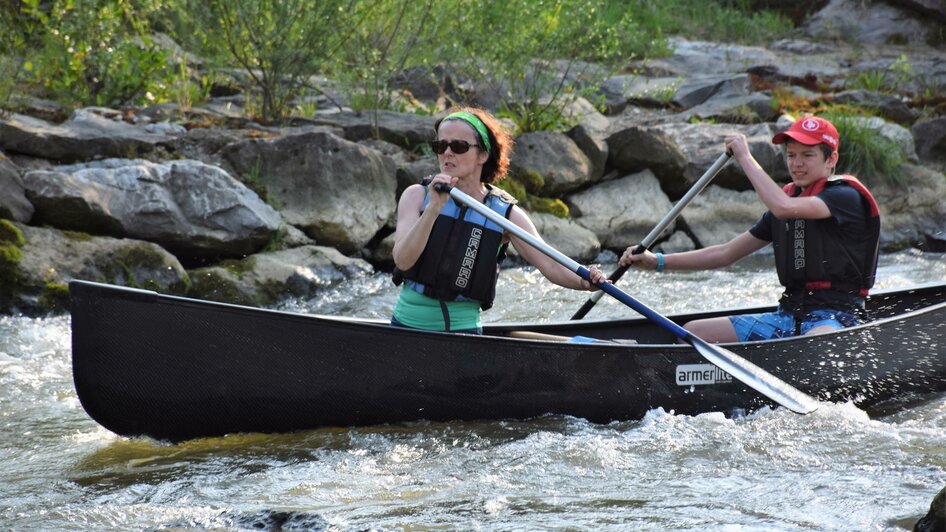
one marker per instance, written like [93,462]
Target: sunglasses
[457,146]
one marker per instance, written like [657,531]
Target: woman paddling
[825,231]
[447,255]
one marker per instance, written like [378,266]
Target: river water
[836,469]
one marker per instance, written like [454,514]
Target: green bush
[12,48]
[864,152]
[93,52]
[535,54]
[279,44]
[386,38]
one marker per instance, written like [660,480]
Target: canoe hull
[175,368]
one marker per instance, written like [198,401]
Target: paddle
[748,373]
[659,229]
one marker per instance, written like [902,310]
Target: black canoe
[175,368]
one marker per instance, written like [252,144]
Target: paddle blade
[755,377]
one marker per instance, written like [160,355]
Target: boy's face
[807,164]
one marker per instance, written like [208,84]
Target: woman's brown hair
[500,140]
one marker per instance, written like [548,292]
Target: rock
[635,149]
[567,236]
[595,148]
[406,130]
[85,136]
[13,202]
[694,58]
[935,518]
[930,139]
[678,242]
[415,172]
[751,109]
[556,157]
[267,278]
[698,89]
[339,192]
[202,143]
[934,9]
[621,212]
[894,132]
[703,143]
[718,215]
[52,257]
[587,116]
[912,210]
[888,106]
[620,90]
[874,23]
[423,83]
[196,211]
[383,253]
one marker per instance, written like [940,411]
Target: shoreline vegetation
[246,151]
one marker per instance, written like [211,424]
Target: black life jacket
[815,264]
[462,254]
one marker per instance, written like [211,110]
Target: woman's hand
[597,276]
[439,199]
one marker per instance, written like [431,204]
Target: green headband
[474,121]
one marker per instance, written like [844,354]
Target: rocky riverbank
[207,203]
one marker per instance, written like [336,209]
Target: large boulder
[703,143]
[699,89]
[406,130]
[874,23]
[196,211]
[718,215]
[337,191]
[86,135]
[267,278]
[556,157]
[694,58]
[751,109]
[636,148]
[930,139]
[623,211]
[13,202]
[51,258]
[594,146]
[888,105]
[913,209]
[565,235]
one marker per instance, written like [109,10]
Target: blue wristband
[660,262]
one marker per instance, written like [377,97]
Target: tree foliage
[278,44]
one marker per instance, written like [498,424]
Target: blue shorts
[781,324]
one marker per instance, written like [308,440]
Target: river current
[836,469]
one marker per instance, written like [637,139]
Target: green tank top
[418,311]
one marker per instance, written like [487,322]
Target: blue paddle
[746,372]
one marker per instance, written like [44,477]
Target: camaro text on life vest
[469,257]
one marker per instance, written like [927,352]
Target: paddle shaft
[651,237]
[740,368]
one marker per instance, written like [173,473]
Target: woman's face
[462,165]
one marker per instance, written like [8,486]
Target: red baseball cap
[810,130]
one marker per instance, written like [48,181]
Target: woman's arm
[413,228]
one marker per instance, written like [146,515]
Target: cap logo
[810,124]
